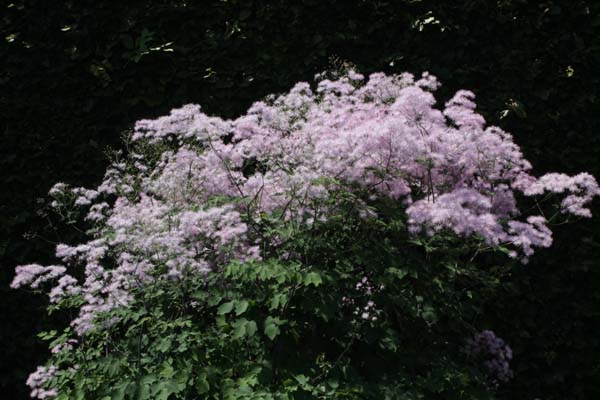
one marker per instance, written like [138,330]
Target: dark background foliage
[75,74]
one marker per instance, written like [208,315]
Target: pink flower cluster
[37,381]
[196,206]
[361,302]
[495,353]
[33,275]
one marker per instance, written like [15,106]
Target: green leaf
[302,379]
[167,371]
[49,335]
[271,328]
[119,390]
[313,278]
[278,300]
[225,308]
[164,389]
[239,329]
[251,328]
[398,273]
[241,307]
[202,385]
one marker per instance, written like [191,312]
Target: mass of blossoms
[194,199]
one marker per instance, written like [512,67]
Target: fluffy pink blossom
[38,380]
[34,275]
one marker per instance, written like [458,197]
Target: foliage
[76,73]
[275,331]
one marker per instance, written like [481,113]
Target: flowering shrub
[294,251]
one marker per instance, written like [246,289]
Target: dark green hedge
[75,74]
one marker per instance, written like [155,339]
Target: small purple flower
[496,355]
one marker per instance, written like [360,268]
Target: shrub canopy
[294,251]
